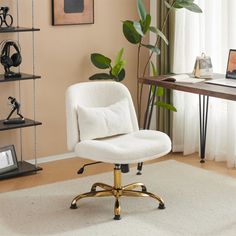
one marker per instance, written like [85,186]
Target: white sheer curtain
[214,33]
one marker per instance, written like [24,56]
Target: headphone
[8,60]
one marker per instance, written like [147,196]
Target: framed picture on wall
[72,12]
[8,160]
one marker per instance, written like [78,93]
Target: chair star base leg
[103,193]
[117,210]
[117,217]
[161,206]
[118,191]
[135,185]
[102,186]
[73,206]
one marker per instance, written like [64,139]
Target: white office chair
[95,110]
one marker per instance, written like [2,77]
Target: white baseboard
[53,158]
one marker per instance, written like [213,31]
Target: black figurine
[15,107]
[5,18]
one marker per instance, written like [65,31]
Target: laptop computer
[230,78]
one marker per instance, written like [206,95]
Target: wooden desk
[204,91]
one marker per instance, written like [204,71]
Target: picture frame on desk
[72,12]
[8,159]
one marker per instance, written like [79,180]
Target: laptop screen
[231,67]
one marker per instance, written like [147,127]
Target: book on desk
[183,78]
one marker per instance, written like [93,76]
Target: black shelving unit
[28,123]
[22,77]
[17,29]
[24,167]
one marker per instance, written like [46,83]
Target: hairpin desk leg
[147,118]
[203,115]
[139,168]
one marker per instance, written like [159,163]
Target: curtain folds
[214,33]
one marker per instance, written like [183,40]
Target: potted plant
[115,71]
[135,32]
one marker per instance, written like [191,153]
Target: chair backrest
[93,94]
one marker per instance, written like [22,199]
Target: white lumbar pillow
[100,122]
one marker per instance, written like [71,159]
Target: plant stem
[139,94]
[158,37]
[139,90]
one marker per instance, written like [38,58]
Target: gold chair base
[117,191]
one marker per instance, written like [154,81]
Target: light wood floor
[67,169]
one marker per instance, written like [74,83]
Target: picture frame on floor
[8,159]
[72,12]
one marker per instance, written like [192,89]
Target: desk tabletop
[201,88]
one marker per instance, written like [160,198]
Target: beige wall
[63,58]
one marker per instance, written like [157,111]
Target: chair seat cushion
[139,146]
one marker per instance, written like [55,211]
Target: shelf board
[17,29]
[24,168]
[28,123]
[23,77]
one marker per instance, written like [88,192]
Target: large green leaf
[194,8]
[121,75]
[130,32]
[141,10]
[188,4]
[184,1]
[146,24]
[101,76]
[177,5]
[152,48]
[166,106]
[138,27]
[158,32]
[100,61]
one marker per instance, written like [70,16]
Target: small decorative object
[15,107]
[203,67]
[72,12]
[5,18]
[8,159]
[8,60]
